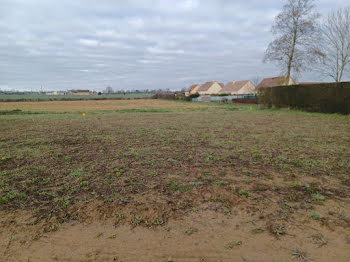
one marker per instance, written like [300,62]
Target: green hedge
[325,98]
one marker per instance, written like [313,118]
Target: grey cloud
[135,44]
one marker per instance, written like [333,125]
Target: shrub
[189,98]
[164,95]
[195,95]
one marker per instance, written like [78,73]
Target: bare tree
[334,47]
[256,80]
[295,30]
[108,90]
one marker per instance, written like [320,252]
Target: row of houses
[237,87]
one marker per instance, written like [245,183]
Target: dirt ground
[203,236]
[223,183]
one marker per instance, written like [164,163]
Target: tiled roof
[206,86]
[193,87]
[234,86]
[274,81]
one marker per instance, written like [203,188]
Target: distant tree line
[106,91]
[109,90]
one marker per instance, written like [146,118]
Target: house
[239,88]
[194,89]
[210,88]
[79,92]
[276,81]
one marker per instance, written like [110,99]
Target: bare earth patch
[101,241]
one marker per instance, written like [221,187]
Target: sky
[136,44]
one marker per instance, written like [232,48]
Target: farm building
[239,88]
[276,81]
[79,92]
[210,88]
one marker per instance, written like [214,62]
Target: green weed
[318,197]
[245,193]
[76,173]
[278,230]
[316,216]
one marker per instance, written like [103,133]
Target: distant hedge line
[69,99]
[325,98]
[164,95]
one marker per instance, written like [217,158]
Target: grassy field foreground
[240,181]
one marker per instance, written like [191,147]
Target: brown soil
[202,236]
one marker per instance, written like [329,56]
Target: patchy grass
[147,161]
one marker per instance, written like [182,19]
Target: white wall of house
[248,88]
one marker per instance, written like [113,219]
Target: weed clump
[299,254]
[244,193]
[318,197]
[77,172]
[191,230]
[277,230]
[233,244]
[118,172]
[316,216]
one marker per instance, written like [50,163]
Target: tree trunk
[291,57]
[337,75]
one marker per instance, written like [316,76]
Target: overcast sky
[136,44]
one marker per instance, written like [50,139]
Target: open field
[43,97]
[96,105]
[150,180]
